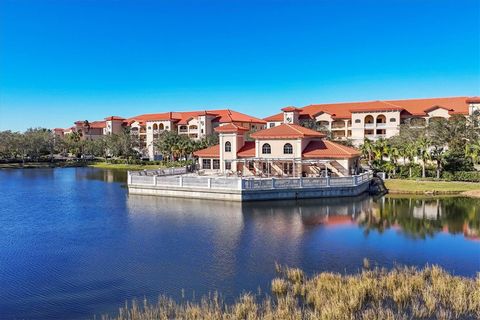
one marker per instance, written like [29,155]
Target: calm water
[73,243]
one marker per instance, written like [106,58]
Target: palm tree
[423,146]
[367,150]
[472,151]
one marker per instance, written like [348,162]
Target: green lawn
[105,165]
[418,186]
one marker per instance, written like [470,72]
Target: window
[160,127]
[266,149]
[393,120]
[287,148]
[271,125]
[251,166]
[155,126]
[358,121]
[228,165]
[228,146]
[216,164]
[206,164]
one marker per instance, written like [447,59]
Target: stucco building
[285,150]
[375,119]
[148,127]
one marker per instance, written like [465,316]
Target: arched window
[228,146]
[266,149]
[155,126]
[287,148]
[358,121]
[369,119]
[160,126]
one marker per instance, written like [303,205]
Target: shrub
[468,176]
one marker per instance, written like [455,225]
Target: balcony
[370,125]
[381,125]
[338,125]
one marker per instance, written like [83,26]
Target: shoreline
[432,188]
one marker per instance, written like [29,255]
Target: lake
[73,243]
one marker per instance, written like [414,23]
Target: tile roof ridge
[391,104]
[290,125]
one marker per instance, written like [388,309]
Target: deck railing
[149,178]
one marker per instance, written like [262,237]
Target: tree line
[448,145]
[40,144]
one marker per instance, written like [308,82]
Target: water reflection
[72,245]
[413,217]
[421,218]
[110,176]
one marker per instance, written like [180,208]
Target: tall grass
[400,293]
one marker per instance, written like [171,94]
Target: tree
[472,151]
[367,150]
[423,145]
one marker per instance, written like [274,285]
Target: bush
[468,176]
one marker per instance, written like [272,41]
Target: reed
[400,293]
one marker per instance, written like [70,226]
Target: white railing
[234,183]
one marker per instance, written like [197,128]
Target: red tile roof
[458,105]
[328,150]
[230,127]
[92,124]
[291,109]
[221,116]
[247,151]
[473,100]
[210,152]
[111,118]
[286,131]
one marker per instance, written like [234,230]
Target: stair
[338,169]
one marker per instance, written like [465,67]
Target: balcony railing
[178,180]
[338,125]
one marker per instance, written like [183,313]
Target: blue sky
[62,61]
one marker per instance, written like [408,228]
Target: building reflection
[421,217]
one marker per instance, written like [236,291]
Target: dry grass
[401,293]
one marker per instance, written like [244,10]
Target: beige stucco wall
[391,128]
[277,148]
[439,112]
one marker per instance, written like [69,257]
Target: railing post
[240,184]
[155,180]
[180,181]
[129,177]
[209,183]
